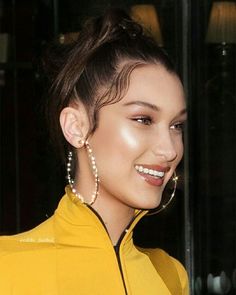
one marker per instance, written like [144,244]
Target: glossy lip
[155,167]
[153,180]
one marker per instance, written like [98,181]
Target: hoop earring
[94,170]
[162,207]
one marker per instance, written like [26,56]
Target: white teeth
[149,171]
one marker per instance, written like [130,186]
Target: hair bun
[117,24]
[131,28]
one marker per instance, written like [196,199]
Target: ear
[74,124]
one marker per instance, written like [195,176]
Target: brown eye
[144,120]
[178,126]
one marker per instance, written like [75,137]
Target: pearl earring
[94,170]
[81,143]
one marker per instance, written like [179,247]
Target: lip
[155,167]
[152,180]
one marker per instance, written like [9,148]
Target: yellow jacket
[72,254]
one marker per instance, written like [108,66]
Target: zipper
[116,248]
[117,252]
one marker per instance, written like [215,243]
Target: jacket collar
[76,224]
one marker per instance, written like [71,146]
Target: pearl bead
[95,172]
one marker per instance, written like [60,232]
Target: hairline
[109,97]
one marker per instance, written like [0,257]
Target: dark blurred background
[199,227]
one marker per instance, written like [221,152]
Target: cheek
[179,150]
[130,138]
[117,142]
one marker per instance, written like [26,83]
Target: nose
[164,147]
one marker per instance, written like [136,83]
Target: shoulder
[181,272]
[23,256]
[38,237]
[159,254]
[168,267]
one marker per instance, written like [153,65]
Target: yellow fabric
[167,267]
[71,253]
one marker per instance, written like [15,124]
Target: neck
[115,215]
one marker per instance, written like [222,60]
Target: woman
[118,107]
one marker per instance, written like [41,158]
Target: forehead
[156,85]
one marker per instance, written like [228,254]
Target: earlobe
[74,125]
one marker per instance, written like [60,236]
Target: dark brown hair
[96,68]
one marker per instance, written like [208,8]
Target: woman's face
[138,142]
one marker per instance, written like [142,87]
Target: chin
[148,204]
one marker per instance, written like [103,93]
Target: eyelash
[178,126]
[145,120]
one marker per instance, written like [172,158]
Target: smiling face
[138,142]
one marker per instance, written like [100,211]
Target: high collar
[77,224]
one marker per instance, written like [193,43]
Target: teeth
[140,168]
[149,171]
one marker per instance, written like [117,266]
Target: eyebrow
[182,112]
[143,104]
[151,106]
